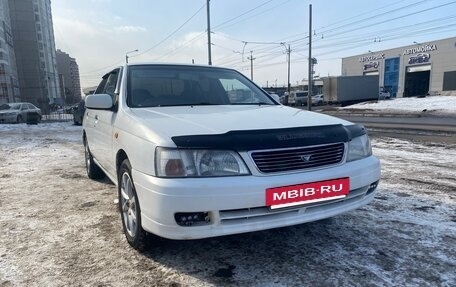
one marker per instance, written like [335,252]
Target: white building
[419,69]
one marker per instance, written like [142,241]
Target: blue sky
[98,33]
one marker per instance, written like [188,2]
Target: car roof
[166,64]
[170,65]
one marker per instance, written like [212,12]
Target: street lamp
[129,52]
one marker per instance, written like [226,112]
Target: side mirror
[98,102]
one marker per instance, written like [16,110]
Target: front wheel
[129,209]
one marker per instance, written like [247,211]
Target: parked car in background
[317,100]
[383,94]
[298,98]
[284,99]
[201,151]
[78,113]
[18,112]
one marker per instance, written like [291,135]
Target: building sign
[419,59]
[422,49]
[370,65]
[371,58]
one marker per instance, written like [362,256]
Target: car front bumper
[237,204]
[8,118]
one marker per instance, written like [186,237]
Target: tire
[93,170]
[129,208]
[19,119]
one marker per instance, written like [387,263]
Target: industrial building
[415,70]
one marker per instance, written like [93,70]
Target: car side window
[24,107]
[30,106]
[101,86]
[111,84]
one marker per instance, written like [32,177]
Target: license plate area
[301,194]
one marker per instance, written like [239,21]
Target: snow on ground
[437,104]
[60,228]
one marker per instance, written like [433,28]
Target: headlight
[359,148]
[198,163]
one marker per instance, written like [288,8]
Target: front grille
[298,158]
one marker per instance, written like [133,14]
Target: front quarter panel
[136,141]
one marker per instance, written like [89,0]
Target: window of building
[391,76]
[449,81]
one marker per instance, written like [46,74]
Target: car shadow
[307,253]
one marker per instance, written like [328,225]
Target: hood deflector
[271,138]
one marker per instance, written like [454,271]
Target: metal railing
[57,117]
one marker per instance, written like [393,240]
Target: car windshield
[10,107]
[159,86]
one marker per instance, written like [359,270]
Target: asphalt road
[410,127]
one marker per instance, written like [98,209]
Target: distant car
[78,114]
[298,98]
[419,58]
[275,97]
[317,100]
[284,99]
[17,112]
[384,94]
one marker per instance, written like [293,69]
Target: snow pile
[439,104]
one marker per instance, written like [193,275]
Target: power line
[171,34]
[242,14]
[396,18]
[254,15]
[154,46]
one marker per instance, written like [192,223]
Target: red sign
[285,196]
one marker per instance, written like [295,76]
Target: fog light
[192,218]
[372,187]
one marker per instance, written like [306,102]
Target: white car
[18,112]
[317,100]
[200,151]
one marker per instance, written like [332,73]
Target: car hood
[167,122]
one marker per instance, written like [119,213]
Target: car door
[24,112]
[90,123]
[104,125]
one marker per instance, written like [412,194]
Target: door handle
[96,117]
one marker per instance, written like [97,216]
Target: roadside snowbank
[438,104]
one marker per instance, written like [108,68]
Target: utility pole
[209,61]
[289,58]
[251,58]
[309,82]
